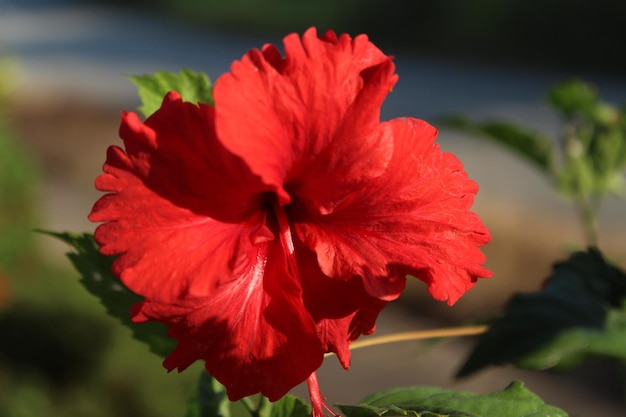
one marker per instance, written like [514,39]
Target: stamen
[286,238]
[318,402]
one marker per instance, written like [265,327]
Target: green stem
[252,408]
[587,211]
[263,403]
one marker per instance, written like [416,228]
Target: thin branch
[418,335]
[249,405]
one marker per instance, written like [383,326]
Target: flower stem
[589,219]
[255,407]
[419,335]
[250,406]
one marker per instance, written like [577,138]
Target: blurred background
[63,84]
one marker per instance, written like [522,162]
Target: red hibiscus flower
[273,227]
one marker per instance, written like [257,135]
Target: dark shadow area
[576,35]
[63,346]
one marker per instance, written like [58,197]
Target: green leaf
[193,87]
[605,154]
[287,406]
[514,401]
[96,277]
[578,313]
[534,147]
[573,97]
[570,347]
[208,399]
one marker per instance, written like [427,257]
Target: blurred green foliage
[61,355]
[593,142]
[17,183]
[586,162]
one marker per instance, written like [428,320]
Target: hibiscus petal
[342,310]
[177,154]
[414,219]
[161,212]
[299,103]
[349,160]
[254,333]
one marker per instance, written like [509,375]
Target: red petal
[299,106]
[167,193]
[342,310]
[413,219]
[254,333]
[177,154]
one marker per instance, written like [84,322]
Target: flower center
[286,238]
